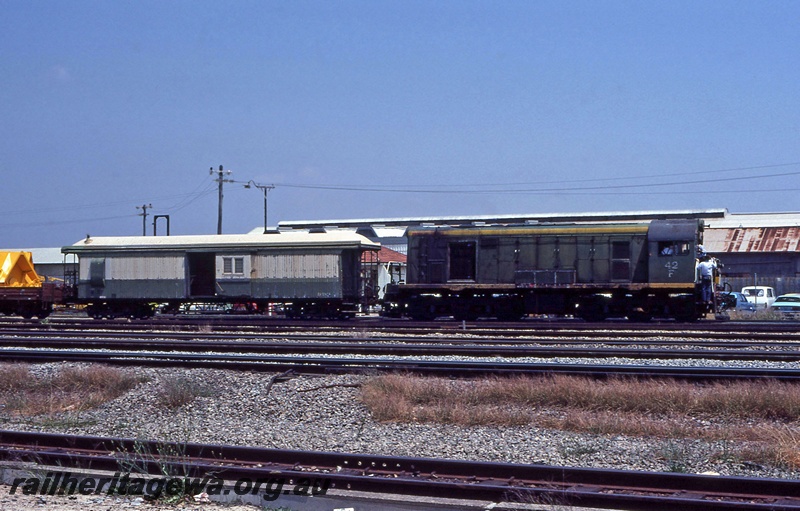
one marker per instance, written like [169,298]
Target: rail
[498,482]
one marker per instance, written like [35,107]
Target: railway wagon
[22,290]
[308,274]
[591,271]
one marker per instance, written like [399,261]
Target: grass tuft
[758,411]
[69,389]
[177,391]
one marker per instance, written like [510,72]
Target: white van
[762,296]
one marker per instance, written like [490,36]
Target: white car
[762,296]
[788,304]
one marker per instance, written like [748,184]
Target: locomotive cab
[672,246]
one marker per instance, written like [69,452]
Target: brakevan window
[462,260]
[233,265]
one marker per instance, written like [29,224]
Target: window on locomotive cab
[673,248]
[462,260]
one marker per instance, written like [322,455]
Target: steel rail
[262,323]
[459,336]
[499,482]
[322,365]
[399,349]
[92,336]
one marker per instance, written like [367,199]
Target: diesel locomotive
[593,271]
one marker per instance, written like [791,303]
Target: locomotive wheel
[683,309]
[463,312]
[510,312]
[423,315]
[640,316]
[592,309]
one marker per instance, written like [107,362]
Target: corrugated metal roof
[222,241]
[767,239]
[744,220]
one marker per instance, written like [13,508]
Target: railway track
[340,365]
[464,480]
[422,347]
[765,330]
[450,353]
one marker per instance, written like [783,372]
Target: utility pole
[144,208]
[220,179]
[265,189]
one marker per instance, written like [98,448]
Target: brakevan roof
[222,242]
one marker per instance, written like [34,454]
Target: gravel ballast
[325,414]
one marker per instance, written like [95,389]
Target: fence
[782,285]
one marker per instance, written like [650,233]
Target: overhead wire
[534,190]
[441,188]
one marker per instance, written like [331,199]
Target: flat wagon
[22,290]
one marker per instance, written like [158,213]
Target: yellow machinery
[16,270]
[22,291]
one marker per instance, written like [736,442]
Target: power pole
[265,189]
[144,208]
[220,179]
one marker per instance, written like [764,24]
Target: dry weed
[70,389]
[754,412]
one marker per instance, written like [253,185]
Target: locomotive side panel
[590,270]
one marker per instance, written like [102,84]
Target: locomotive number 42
[672,268]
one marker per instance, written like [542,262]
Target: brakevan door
[200,273]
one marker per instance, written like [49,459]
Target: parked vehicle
[734,301]
[762,296]
[788,304]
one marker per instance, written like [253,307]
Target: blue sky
[365,109]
